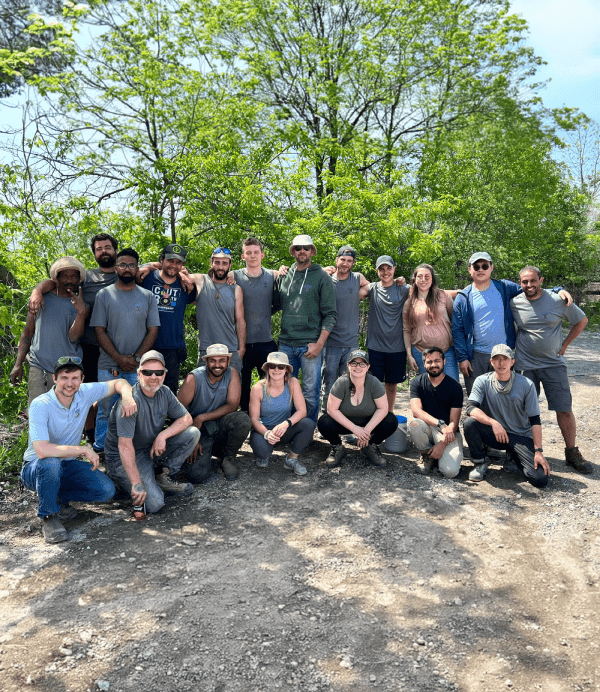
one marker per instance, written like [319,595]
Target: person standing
[540,353]
[307,317]
[126,321]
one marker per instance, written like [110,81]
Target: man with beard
[172,300]
[126,321]
[134,446]
[540,349]
[56,329]
[211,394]
[220,309]
[436,403]
[503,411]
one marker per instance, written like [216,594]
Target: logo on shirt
[166,297]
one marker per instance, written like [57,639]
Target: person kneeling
[135,445]
[271,402]
[357,404]
[504,412]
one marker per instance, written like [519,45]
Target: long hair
[346,373]
[264,382]
[432,300]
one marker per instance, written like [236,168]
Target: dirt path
[356,580]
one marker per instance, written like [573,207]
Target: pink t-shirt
[427,334]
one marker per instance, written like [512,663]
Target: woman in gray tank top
[278,414]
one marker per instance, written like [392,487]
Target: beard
[127,278]
[106,261]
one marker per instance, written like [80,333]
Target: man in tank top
[211,393]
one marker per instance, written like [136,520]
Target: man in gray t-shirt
[503,412]
[135,445]
[538,317]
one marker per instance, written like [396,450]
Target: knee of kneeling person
[539,480]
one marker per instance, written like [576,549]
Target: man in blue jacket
[482,317]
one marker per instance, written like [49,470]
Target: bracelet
[266,433]
[289,422]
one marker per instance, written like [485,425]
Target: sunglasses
[481,265]
[219,250]
[130,265]
[149,373]
[276,367]
[69,360]
[302,247]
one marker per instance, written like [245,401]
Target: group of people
[120,328]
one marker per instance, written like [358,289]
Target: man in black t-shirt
[436,403]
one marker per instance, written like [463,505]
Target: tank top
[274,410]
[215,315]
[258,300]
[208,396]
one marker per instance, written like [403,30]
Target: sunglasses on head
[481,265]
[276,367]
[69,360]
[149,373]
[219,250]
[302,247]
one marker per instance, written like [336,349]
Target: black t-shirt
[437,401]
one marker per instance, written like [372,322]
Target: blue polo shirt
[52,422]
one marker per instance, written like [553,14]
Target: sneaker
[171,486]
[373,454]
[295,466]
[575,459]
[67,512]
[230,470]
[426,464]
[53,530]
[478,473]
[262,463]
[336,454]
[350,439]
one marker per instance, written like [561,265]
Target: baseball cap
[174,251]
[384,259]
[67,362]
[358,353]
[152,355]
[480,255]
[502,350]
[347,251]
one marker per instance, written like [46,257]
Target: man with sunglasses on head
[482,318]
[136,445]
[308,315]
[126,321]
[220,309]
[56,466]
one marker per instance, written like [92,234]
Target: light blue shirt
[52,422]
[488,319]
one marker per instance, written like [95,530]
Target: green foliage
[13,447]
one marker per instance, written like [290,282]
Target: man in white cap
[134,446]
[307,317]
[211,393]
[56,329]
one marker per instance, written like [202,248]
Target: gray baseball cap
[384,259]
[480,255]
[502,350]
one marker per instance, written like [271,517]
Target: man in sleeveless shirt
[220,309]
[211,393]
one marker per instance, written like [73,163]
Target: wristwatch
[136,357]
[538,449]
[440,423]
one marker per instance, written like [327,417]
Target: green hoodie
[307,305]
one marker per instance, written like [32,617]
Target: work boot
[373,454]
[294,465]
[67,512]
[230,470]
[171,486]
[53,530]
[336,454]
[262,463]
[575,459]
[478,473]
[426,464]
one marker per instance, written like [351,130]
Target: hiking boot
[262,463]
[510,465]
[336,454]
[373,454]
[295,466]
[171,486]
[67,512]
[350,439]
[478,473]
[53,530]
[230,470]
[426,464]
[575,459]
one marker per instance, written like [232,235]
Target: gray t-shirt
[126,315]
[511,410]
[539,329]
[208,396]
[51,336]
[215,315]
[347,305]
[145,424]
[258,301]
[385,329]
[361,414]
[95,281]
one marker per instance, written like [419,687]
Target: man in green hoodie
[307,317]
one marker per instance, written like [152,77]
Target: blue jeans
[450,366]
[65,480]
[311,376]
[334,366]
[105,405]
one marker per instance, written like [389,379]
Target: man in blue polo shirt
[56,466]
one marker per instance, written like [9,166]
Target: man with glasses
[134,446]
[126,321]
[307,317]
[481,317]
[56,466]
[56,329]
[211,393]
[220,309]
